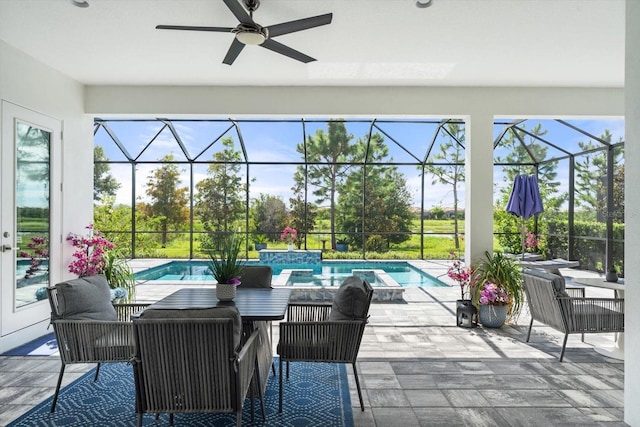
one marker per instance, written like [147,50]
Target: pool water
[325,274]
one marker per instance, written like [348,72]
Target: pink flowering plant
[38,252]
[289,235]
[493,294]
[531,242]
[459,273]
[90,254]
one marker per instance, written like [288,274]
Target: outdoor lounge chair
[88,327]
[192,361]
[550,303]
[327,332]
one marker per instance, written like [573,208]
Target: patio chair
[88,327]
[327,332]
[259,276]
[192,361]
[550,303]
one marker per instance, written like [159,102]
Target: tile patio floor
[419,369]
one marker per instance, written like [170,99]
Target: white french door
[29,193]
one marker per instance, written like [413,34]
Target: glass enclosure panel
[32,212]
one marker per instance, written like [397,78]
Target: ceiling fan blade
[190,28]
[240,12]
[233,52]
[298,25]
[286,50]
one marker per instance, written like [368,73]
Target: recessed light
[80,3]
[423,3]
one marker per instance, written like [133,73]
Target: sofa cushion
[200,313]
[85,298]
[351,300]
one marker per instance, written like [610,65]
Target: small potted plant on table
[225,268]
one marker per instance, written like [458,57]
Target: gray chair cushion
[200,313]
[351,301]
[85,298]
[558,282]
[256,276]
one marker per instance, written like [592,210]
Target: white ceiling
[369,42]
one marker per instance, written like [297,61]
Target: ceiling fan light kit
[248,32]
[250,35]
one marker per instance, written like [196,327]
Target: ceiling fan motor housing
[252,5]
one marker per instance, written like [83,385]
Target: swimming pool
[329,273]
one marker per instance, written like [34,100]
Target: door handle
[6,248]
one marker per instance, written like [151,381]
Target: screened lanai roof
[411,141]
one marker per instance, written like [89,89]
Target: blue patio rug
[43,346]
[317,394]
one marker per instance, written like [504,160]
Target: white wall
[35,86]
[632,215]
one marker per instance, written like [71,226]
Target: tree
[591,176]
[452,173]
[104,184]
[326,156]
[269,216]
[386,214]
[302,217]
[168,200]
[220,198]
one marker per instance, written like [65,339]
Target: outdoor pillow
[557,281]
[200,313]
[86,298]
[256,276]
[351,300]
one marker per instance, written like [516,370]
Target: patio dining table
[254,304]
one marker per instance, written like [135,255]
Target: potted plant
[494,303]
[612,274]
[225,267]
[342,245]
[261,241]
[502,272]
[466,313]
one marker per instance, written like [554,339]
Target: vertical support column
[479,186]
[632,214]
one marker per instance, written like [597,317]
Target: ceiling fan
[249,32]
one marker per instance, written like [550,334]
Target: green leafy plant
[119,274]
[505,273]
[224,264]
